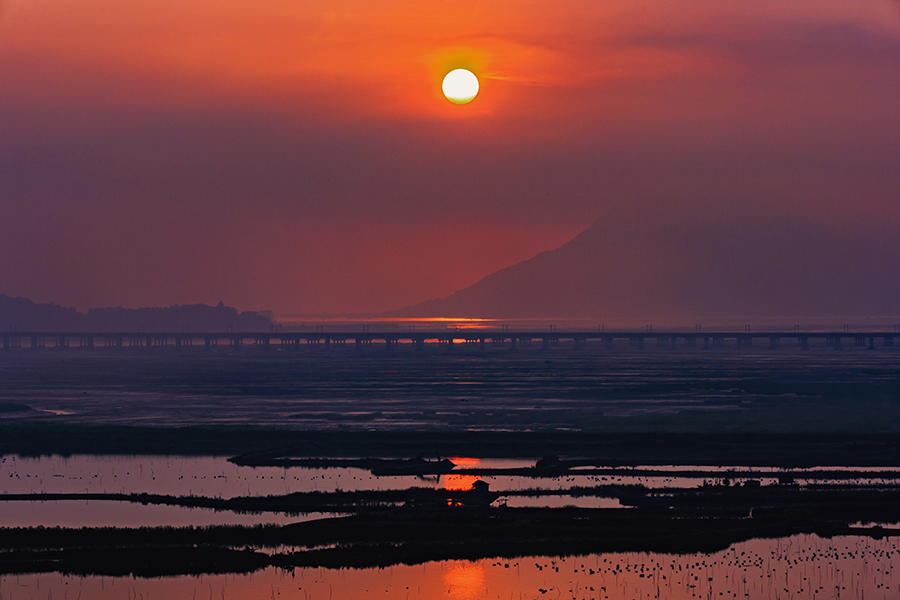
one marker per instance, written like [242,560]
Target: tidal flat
[661,461]
[757,390]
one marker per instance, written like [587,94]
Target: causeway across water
[446,337]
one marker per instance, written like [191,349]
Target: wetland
[597,476]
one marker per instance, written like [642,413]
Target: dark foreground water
[823,389]
[801,567]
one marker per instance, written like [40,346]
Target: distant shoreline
[614,448]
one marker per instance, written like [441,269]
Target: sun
[460,86]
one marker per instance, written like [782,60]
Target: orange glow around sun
[359,57]
[351,61]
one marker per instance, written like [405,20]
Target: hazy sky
[297,155]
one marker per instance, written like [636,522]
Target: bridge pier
[888,340]
[871,342]
[804,342]
[706,342]
[774,342]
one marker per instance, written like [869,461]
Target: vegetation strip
[614,449]
[409,535]
[424,527]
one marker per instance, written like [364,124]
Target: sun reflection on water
[464,580]
[461,482]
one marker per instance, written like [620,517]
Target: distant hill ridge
[21,314]
[665,264]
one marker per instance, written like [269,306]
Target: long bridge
[472,338]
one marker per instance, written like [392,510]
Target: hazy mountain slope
[668,265]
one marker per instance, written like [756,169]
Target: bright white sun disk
[460,86]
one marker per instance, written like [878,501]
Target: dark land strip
[610,449]
[553,467]
[424,527]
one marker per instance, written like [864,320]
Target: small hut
[481,487]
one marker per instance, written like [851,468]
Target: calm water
[107,513]
[798,568]
[214,476]
[457,389]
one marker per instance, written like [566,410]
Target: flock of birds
[802,567]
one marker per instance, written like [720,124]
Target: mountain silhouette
[663,264]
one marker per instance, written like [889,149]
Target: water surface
[529,389]
[802,567]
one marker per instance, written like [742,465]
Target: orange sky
[298,156]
